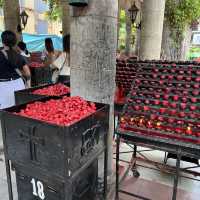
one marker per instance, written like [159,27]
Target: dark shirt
[8,66]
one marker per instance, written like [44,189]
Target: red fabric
[119,95]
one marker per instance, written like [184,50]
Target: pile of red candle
[63,112]
[53,90]
[125,74]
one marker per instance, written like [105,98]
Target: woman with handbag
[62,63]
[12,69]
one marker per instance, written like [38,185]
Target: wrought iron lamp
[24,19]
[133,12]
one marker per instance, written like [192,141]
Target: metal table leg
[117,169]
[9,179]
[105,168]
[7,163]
[176,177]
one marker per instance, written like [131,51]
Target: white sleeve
[59,61]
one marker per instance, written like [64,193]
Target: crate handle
[89,137]
[52,190]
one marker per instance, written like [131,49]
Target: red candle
[157,96]
[179,77]
[182,114]
[149,124]
[146,108]
[189,78]
[176,97]
[158,124]
[189,130]
[184,99]
[192,107]
[195,92]
[165,103]
[166,96]
[162,110]
[171,120]
[154,75]
[161,82]
[196,85]
[156,102]
[198,72]
[137,108]
[173,105]
[147,102]
[197,79]
[193,99]
[173,112]
[183,105]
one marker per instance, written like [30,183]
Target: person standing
[62,63]
[49,55]
[12,67]
[23,51]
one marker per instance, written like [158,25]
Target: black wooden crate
[83,186]
[40,75]
[26,96]
[53,148]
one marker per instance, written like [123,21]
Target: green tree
[179,16]
[59,11]
[126,32]
[55,11]
[1,3]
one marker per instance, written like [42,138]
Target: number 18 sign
[38,189]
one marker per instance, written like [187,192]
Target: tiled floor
[156,185]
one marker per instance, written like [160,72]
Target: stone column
[11,13]
[65,17]
[93,55]
[152,28]
[128,33]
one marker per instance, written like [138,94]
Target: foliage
[179,14]
[55,11]
[122,30]
[1,3]
[194,52]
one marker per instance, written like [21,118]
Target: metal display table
[162,113]
[171,146]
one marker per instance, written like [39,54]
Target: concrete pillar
[93,55]
[128,33]
[152,28]
[11,13]
[65,17]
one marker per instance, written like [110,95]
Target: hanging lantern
[133,11]
[24,18]
[78,3]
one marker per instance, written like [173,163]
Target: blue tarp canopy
[36,42]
